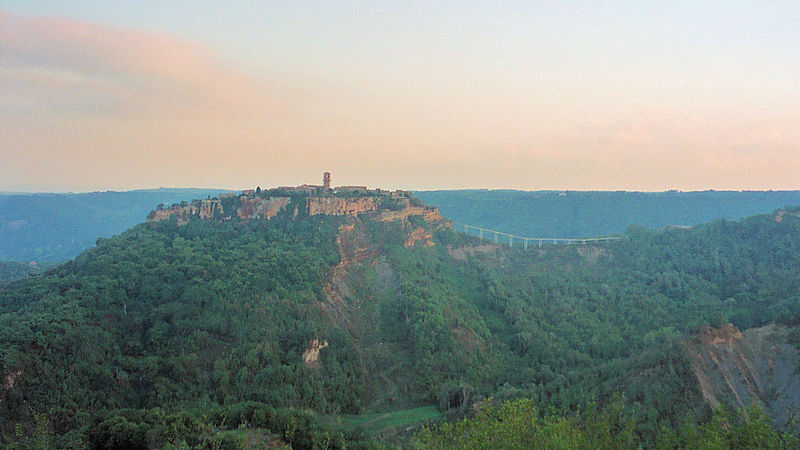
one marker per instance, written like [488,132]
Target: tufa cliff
[757,367]
[258,208]
[311,353]
[203,209]
[250,204]
[339,206]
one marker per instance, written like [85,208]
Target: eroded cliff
[757,367]
[341,206]
[390,206]
[203,209]
[260,208]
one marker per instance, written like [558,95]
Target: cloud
[60,65]
[88,106]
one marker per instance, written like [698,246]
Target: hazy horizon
[9,192]
[569,96]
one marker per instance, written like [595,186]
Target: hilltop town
[306,199]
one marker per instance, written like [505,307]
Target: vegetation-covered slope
[307,318]
[521,425]
[175,317]
[10,271]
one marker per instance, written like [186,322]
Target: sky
[98,95]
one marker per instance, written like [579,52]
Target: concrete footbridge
[524,242]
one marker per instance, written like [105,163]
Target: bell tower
[326,180]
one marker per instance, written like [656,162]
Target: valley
[399,225]
[371,320]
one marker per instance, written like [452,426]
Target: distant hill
[574,214]
[56,227]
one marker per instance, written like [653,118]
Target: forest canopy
[190,324]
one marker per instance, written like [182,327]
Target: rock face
[779,215]
[354,245]
[204,209]
[754,368]
[341,206]
[250,207]
[428,214]
[311,353]
[257,207]
[387,207]
[8,383]
[11,378]
[421,235]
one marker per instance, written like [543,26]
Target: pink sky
[87,106]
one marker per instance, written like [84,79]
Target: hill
[577,214]
[177,318]
[56,227]
[212,324]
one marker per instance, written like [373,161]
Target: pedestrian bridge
[524,242]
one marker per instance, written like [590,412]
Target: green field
[392,421]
